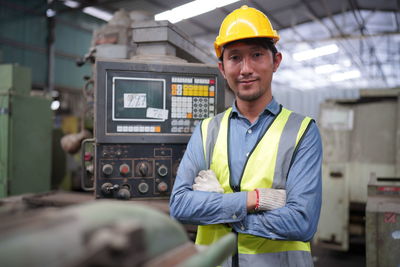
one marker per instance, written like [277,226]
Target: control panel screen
[134,99]
[137,102]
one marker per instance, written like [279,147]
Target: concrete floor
[324,257]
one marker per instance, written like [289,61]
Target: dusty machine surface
[146,109]
[100,233]
[383,222]
[361,139]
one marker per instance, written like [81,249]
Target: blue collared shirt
[298,220]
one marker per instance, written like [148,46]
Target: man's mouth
[247,81]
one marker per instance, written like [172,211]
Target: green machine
[25,134]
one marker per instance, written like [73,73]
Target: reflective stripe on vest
[267,166]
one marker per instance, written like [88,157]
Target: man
[258,165]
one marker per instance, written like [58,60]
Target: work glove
[270,199]
[207,181]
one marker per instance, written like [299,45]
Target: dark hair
[266,43]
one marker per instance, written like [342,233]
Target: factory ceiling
[362,36]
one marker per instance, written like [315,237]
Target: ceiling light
[338,77]
[98,13]
[71,4]
[328,68]
[316,52]
[191,9]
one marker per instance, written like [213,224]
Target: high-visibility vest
[267,166]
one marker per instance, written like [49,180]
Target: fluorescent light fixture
[71,4]
[191,9]
[328,68]
[346,63]
[338,77]
[98,13]
[316,52]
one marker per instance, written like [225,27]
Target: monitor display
[139,102]
[136,99]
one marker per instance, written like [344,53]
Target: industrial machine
[99,233]
[25,134]
[145,115]
[383,222]
[361,139]
[146,109]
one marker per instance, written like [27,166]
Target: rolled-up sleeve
[298,219]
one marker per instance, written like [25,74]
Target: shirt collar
[272,107]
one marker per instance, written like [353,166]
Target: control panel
[139,171]
[145,115]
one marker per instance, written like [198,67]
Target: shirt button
[242,228]
[234,216]
[249,131]
[247,154]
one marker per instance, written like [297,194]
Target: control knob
[162,187]
[143,168]
[124,193]
[143,188]
[124,169]
[162,170]
[107,169]
[108,188]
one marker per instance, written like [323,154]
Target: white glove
[207,181]
[270,199]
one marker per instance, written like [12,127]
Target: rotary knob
[143,169]
[124,193]
[162,170]
[143,188]
[108,188]
[107,169]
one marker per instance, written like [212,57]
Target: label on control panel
[157,113]
[135,101]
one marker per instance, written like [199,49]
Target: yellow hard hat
[242,23]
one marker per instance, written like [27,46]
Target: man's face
[248,70]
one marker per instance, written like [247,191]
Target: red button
[88,156]
[124,169]
[212,81]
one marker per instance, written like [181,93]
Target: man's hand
[207,181]
[270,199]
[263,199]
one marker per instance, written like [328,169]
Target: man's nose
[246,66]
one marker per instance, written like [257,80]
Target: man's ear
[221,68]
[277,60]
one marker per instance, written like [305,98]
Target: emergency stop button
[124,169]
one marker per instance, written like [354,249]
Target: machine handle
[84,176]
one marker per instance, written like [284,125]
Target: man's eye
[234,58]
[257,54]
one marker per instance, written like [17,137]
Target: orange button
[189,115]
[173,86]
[212,94]
[157,129]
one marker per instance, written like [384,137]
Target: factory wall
[307,102]
[23,40]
